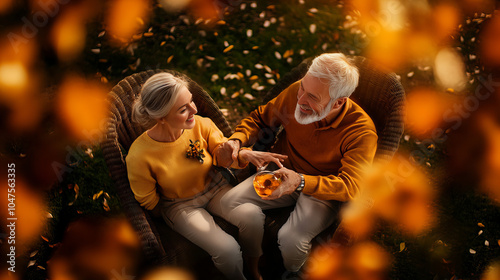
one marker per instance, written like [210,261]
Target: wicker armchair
[160,244]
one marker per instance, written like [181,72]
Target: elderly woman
[170,169]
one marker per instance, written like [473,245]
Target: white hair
[158,95]
[341,74]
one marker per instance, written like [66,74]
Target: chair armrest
[138,218]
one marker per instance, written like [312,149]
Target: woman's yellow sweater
[150,162]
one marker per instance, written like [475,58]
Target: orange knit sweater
[331,153]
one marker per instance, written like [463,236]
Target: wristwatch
[302,184]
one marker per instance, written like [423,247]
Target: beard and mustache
[315,116]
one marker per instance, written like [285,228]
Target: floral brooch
[194,151]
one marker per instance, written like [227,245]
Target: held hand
[290,180]
[227,153]
[260,159]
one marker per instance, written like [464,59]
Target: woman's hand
[260,159]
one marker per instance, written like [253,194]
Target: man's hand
[227,153]
[260,159]
[290,180]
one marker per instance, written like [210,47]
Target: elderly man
[328,139]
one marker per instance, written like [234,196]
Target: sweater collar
[329,122]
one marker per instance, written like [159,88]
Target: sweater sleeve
[269,116]
[358,154]
[213,135]
[142,182]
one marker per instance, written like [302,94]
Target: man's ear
[339,102]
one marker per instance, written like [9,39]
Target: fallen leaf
[236,94]
[105,205]
[228,49]
[312,28]
[481,225]
[402,246]
[31,263]
[33,253]
[472,251]
[248,96]
[170,58]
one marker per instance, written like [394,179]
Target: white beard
[314,117]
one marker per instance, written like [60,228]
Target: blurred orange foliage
[5,6]
[30,211]
[126,18]
[168,273]
[81,105]
[425,110]
[363,261]
[94,248]
[68,35]
[397,192]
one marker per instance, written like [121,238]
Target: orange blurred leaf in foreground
[126,18]
[445,19]
[366,260]
[324,263]
[30,212]
[81,106]
[401,195]
[207,9]
[18,86]
[5,6]
[388,49]
[492,272]
[490,43]
[95,248]
[424,111]
[490,175]
[68,35]
[168,273]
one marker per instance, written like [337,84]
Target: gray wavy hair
[341,74]
[158,95]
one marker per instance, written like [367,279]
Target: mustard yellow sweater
[330,153]
[150,162]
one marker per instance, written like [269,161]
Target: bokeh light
[490,171]
[95,248]
[425,111]
[168,273]
[174,5]
[30,211]
[364,261]
[492,272]
[82,107]
[490,43]
[126,18]
[450,70]
[68,35]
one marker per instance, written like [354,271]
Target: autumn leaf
[76,188]
[228,48]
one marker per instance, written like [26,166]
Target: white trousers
[243,208]
[192,218]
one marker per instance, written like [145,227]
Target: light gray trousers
[192,218]
[243,208]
